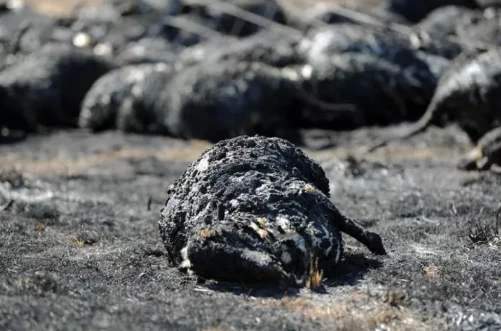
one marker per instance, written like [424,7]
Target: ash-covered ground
[81,249]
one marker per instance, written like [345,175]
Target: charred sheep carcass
[255,209]
[382,74]
[125,99]
[378,93]
[217,100]
[46,87]
[468,94]
[212,100]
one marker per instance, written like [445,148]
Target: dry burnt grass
[80,247]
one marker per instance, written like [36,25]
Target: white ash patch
[203,165]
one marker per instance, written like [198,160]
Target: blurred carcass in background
[218,69]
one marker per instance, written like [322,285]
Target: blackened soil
[80,246]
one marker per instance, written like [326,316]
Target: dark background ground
[81,250]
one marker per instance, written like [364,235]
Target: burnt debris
[255,209]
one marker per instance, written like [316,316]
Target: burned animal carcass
[468,94]
[384,75]
[255,209]
[126,99]
[216,100]
[379,92]
[210,100]
[46,87]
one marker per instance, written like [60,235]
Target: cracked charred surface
[255,209]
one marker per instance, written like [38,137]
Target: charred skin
[255,209]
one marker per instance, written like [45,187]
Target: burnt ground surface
[80,246]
